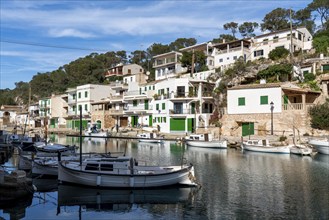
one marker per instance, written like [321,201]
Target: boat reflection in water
[120,199]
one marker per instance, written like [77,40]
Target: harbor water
[233,185]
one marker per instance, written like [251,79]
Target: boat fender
[99,179]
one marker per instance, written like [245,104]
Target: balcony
[296,106]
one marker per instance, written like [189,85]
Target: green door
[190,125]
[150,120]
[134,121]
[248,129]
[177,124]
[99,124]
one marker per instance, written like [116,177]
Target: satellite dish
[147,72]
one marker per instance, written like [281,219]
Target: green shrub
[320,116]
[278,53]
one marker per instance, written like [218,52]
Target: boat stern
[190,179]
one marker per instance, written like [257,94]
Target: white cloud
[69,32]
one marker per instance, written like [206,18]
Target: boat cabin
[147,135]
[120,165]
[200,137]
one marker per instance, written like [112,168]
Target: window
[227,58]
[258,53]
[134,102]
[74,108]
[157,106]
[106,167]
[86,94]
[264,100]
[265,41]
[235,57]
[153,87]
[221,60]
[131,79]
[140,91]
[92,166]
[145,89]
[79,95]
[275,39]
[241,101]
[86,107]
[164,119]
[74,96]
[129,71]
[163,106]
[299,36]
[80,107]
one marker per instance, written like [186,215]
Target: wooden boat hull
[322,146]
[207,144]
[264,149]
[71,173]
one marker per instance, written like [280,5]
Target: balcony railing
[296,106]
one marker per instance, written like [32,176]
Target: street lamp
[272,107]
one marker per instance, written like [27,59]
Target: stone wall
[283,123]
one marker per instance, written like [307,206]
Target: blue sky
[39,36]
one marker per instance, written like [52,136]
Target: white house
[82,97]
[267,108]
[168,65]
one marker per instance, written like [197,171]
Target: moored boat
[300,149]
[149,138]
[93,131]
[205,141]
[321,145]
[264,146]
[123,172]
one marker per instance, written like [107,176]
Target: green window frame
[145,88]
[264,100]
[163,106]
[79,95]
[157,106]
[241,101]
[86,107]
[74,96]
[153,87]
[164,119]
[134,102]
[86,94]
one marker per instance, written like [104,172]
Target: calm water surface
[234,185]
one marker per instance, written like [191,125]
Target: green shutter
[241,101]
[157,106]
[163,106]
[264,100]
[146,104]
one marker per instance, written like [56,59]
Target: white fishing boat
[205,141]
[149,138]
[300,149]
[264,146]
[93,131]
[123,172]
[321,145]
[48,165]
[43,150]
